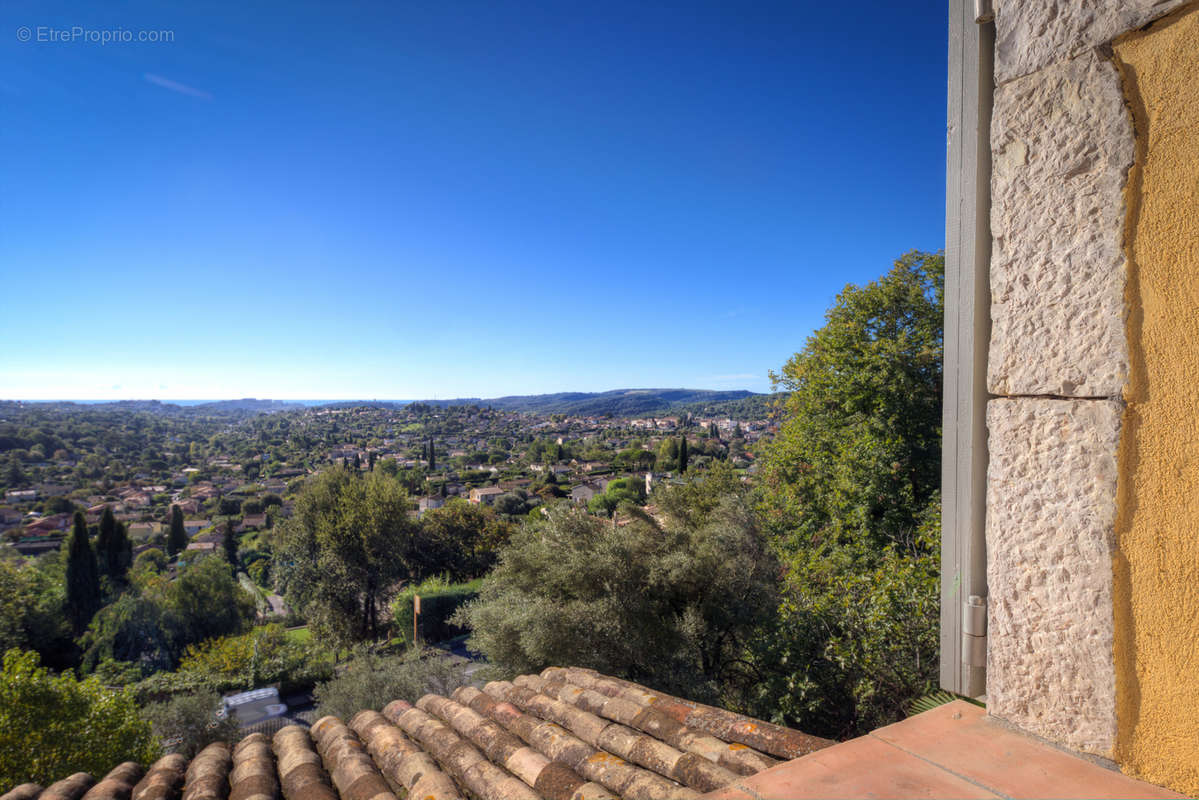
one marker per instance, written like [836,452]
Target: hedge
[438,602]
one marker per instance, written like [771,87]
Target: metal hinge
[983,11]
[974,631]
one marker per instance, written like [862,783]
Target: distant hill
[738,404]
[248,406]
[618,402]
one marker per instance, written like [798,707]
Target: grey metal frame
[967,335]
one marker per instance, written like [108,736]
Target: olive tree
[669,601]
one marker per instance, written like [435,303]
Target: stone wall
[1062,143]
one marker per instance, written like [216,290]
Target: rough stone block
[1062,143]
[1032,35]
[1051,510]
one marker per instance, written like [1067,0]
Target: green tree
[209,602]
[119,556]
[668,453]
[154,624]
[177,537]
[114,551]
[230,544]
[432,456]
[14,476]
[52,726]
[152,560]
[104,537]
[850,494]
[682,454]
[83,576]
[670,604]
[32,600]
[344,550]
[460,540]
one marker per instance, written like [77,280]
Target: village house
[252,522]
[584,492]
[141,531]
[188,505]
[427,503]
[486,495]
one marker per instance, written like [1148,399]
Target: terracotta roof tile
[567,734]
[118,783]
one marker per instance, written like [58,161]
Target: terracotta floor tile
[862,767]
[952,751]
[961,737]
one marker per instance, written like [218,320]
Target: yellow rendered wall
[1156,587]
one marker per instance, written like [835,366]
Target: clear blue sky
[418,199]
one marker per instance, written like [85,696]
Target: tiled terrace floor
[954,751]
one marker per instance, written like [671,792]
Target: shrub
[439,599]
[187,723]
[371,681]
[153,559]
[668,603]
[265,655]
[52,726]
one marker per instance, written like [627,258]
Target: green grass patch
[299,635]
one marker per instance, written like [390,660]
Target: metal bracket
[983,11]
[974,631]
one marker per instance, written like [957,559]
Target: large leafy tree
[668,601]
[858,453]
[851,496]
[32,599]
[51,726]
[154,624]
[83,576]
[459,540]
[345,551]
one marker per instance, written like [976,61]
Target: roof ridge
[776,740]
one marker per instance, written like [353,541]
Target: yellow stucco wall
[1156,588]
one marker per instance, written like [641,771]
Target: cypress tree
[370,461]
[177,537]
[432,457]
[83,576]
[357,463]
[104,541]
[230,544]
[120,552]
[682,454]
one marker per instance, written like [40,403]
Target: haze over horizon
[322,400]
[459,199]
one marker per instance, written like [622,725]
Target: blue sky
[439,199]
